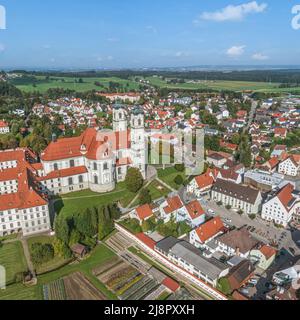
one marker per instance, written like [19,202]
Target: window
[105,166]
[72,163]
[55,166]
[95,166]
[80,179]
[70,181]
[96,180]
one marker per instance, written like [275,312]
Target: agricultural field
[42,84]
[73,287]
[13,259]
[223,85]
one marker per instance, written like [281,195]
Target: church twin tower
[138,144]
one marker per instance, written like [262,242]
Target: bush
[252,216]
[178,180]
[240,212]
[134,180]
[179,167]
[219,203]
[42,253]
[145,197]
[228,207]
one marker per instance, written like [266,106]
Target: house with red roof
[280,206]
[174,209]
[202,184]
[207,232]
[263,257]
[290,166]
[4,127]
[280,133]
[142,213]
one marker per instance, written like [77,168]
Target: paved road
[251,115]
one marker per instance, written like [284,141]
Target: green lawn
[88,84]
[86,199]
[50,265]
[168,175]
[20,292]
[13,259]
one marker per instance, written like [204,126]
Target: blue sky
[147,33]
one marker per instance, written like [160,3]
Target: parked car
[253,281]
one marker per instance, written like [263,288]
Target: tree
[134,180]
[145,197]
[180,167]
[41,253]
[179,180]
[148,225]
[85,222]
[61,249]
[62,229]
[224,286]
[75,237]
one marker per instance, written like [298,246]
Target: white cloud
[235,51]
[181,54]
[260,56]
[234,13]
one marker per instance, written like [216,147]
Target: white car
[210,211]
[227,220]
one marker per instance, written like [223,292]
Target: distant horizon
[209,68]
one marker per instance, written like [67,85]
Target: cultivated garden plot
[74,287]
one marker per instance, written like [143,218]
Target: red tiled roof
[210,229]
[9,174]
[171,284]
[64,173]
[268,251]
[194,209]
[144,212]
[285,195]
[146,240]
[95,143]
[3,124]
[280,131]
[174,204]
[207,179]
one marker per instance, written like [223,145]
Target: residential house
[207,232]
[237,242]
[4,127]
[240,274]
[263,257]
[280,206]
[290,166]
[201,185]
[142,213]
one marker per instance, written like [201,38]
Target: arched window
[140,122]
[120,116]
[72,163]
[55,166]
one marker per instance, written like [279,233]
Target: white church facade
[95,160]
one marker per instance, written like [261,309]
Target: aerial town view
[149,151]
